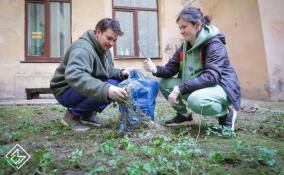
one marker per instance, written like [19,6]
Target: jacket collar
[94,41]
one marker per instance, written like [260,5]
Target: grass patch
[256,147]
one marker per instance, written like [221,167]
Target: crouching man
[86,80]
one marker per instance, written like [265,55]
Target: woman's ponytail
[206,20]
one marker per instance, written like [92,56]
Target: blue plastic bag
[144,91]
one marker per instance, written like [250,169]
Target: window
[139,22]
[48,29]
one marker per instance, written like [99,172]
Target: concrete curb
[22,102]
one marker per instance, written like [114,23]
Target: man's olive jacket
[85,67]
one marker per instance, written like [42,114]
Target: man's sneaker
[74,121]
[93,120]
[221,120]
[229,120]
[180,120]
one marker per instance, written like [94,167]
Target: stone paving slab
[274,106]
[23,102]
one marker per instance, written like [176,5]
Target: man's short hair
[106,23]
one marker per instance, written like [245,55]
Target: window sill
[41,60]
[132,58]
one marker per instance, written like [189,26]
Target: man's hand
[127,71]
[116,93]
[173,96]
[149,66]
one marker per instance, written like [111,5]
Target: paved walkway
[247,104]
[272,106]
[22,102]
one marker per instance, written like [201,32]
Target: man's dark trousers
[80,105]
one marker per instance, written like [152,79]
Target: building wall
[11,44]
[240,21]
[169,36]
[85,15]
[272,23]
[252,33]
[16,76]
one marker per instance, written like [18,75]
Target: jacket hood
[221,36]
[90,36]
[205,34]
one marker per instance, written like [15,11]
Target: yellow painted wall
[16,76]
[170,35]
[253,36]
[240,21]
[272,23]
[11,44]
[85,15]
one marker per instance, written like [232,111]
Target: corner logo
[17,156]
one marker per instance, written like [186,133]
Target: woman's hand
[173,96]
[149,66]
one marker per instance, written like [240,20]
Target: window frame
[46,57]
[135,10]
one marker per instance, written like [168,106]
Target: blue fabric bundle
[144,91]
